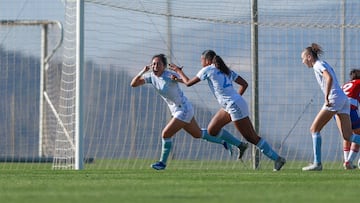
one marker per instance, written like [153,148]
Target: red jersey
[352,90]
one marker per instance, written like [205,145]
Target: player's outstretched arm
[138,79]
[188,82]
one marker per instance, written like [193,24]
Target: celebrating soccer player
[233,106]
[181,109]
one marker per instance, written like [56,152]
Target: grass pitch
[25,184]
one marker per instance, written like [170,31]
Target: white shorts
[183,112]
[238,109]
[340,105]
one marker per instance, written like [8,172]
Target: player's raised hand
[146,68]
[174,67]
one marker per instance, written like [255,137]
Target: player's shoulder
[322,65]
[355,82]
[209,67]
[206,69]
[318,66]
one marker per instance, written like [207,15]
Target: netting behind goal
[122,125]
[30,54]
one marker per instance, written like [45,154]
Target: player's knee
[213,132]
[196,134]
[313,129]
[253,139]
[166,134]
[347,137]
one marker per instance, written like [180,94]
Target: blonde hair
[314,50]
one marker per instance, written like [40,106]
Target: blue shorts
[355,120]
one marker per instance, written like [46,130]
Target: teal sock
[166,148]
[228,137]
[316,138]
[267,150]
[205,135]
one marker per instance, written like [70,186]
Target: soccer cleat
[279,163]
[348,166]
[313,167]
[242,148]
[228,147]
[158,165]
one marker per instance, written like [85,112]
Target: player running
[233,106]
[181,109]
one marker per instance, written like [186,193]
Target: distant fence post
[255,77]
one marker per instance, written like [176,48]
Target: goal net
[30,68]
[122,125]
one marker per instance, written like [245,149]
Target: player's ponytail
[314,50]
[210,55]
[220,64]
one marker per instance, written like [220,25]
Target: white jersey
[170,91]
[220,84]
[336,90]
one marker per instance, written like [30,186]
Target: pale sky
[31,9]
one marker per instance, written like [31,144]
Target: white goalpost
[59,112]
[69,136]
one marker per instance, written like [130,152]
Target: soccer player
[336,103]
[180,108]
[233,106]
[352,90]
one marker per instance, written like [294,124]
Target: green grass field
[26,183]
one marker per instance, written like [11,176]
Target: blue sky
[30,9]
